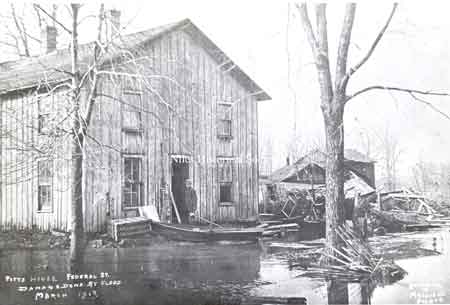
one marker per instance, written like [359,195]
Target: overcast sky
[265,38]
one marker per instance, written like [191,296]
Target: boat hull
[196,234]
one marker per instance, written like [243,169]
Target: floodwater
[187,273]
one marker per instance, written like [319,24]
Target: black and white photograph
[239,152]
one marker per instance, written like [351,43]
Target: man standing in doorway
[190,203]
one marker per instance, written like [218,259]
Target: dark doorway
[180,172]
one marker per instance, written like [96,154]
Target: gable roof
[316,157]
[354,155]
[49,68]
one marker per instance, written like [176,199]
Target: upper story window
[132,110]
[224,120]
[45,103]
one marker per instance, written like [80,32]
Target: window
[44,106]
[132,185]
[225,192]
[225,175]
[224,117]
[132,111]
[45,179]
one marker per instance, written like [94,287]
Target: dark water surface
[185,273]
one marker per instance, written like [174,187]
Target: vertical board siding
[179,115]
[19,175]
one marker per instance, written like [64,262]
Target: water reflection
[337,292]
[157,275]
[204,274]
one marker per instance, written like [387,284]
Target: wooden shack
[308,174]
[171,106]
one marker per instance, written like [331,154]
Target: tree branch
[412,92]
[390,88]
[374,45]
[344,44]
[93,94]
[322,59]
[319,48]
[20,30]
[322,32]
[429,105]
[53,19]
[308,27]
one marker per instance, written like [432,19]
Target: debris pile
[403,210]
[354,261]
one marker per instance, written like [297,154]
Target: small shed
[308,174]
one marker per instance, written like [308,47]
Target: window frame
[125,105]
[230,194]
[139,183]
[44,127]
[223,121]
[46,182]
[227,181]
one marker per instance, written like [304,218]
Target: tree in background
[21,27]
[390,152]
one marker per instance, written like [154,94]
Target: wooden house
[171,106]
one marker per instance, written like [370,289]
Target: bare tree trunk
[337,291]
[76,241]
[335,214]
[332,102]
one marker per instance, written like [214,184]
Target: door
[180,172]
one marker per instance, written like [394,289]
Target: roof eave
[225,62]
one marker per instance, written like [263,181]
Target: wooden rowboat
[183,232]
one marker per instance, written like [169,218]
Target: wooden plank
[257,152]
[247,153]
[234,150]
[174,205]
[255,180]
[242,170]
[207,130]
[21,183]
[196,125]
[186,144]
[255,300]
[2,129]
[153,136]
[3,163]
[213,141]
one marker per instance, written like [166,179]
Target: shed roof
[353,184]
[49,68]
[317,157]
[354,155]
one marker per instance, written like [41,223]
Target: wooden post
[174,206]
[356,199]
[379,200]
